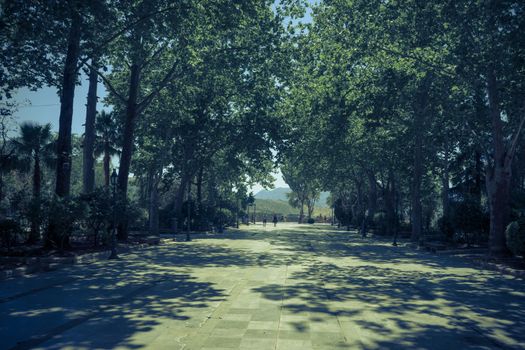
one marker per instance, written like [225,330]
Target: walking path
[290,287]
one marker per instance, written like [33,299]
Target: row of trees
[412,111]
[193,87]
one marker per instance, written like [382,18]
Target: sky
[43,106]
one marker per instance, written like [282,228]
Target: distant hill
[279,194]
[270,207]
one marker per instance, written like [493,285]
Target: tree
[36,145]
[106,141]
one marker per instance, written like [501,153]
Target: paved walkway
[293,287]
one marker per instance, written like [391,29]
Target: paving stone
[291,287]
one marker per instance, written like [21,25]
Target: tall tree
[36,145]
[107,137]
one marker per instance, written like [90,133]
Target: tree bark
[417,179]
[69,79]
[154,205]
[127,144]
[179,199]
[301,212]
[445,188]
[390,204]
[34,235]
[498,175]
[63,150]
[372,196]
[106,161]
[88,165]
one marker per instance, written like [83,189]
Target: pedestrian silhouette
[275,220]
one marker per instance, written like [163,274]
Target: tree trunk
[445,188]
[1,190]
[199,187]
[390,204]
[107,162]
[498,175]
[88,165]
[179,199]
[310,205]
[417,179]
[69,79]
[301,212]
[154,205]
[127,144]
[372,196]
[478,177]
[200,221]
[34,235]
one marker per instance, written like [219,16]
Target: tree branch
[107,82]
[514,144]
[118,33]
[155,54]
[147,100]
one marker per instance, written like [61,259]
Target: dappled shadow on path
[387,297]
[381,296]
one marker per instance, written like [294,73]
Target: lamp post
[254,212]
[113,180]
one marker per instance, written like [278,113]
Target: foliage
[380,222]
[63,215]
[446,226]
[9,229]
[468,217]
[343,211]
[98,213]
[515,233]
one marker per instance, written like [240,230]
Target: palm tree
[35,145]
[107,138]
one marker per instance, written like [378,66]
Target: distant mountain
[279,194]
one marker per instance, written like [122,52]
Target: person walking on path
[275,220]
[264,221]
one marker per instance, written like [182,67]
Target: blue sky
[43,105]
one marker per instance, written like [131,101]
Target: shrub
[446,226]
[515,233]
[380,222]
[343,212]
[224,217]
[9,228]
[98,213]
[311,221]
[470,221]
[62,214]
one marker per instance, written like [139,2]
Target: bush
[311,221]
[380,222]
[98,214]
[446,226]
[224,217]
[9,228]
[343,212]
[62,215]
[470,221]
[136,216]
[515,233]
